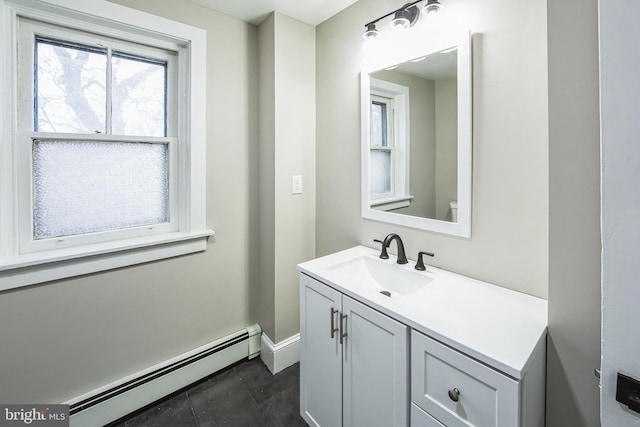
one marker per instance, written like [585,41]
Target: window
[98,117]
[93,88]
[99,163]
[389,146]
[382,148]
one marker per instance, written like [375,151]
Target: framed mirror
[416,136]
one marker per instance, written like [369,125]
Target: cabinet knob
[454,394]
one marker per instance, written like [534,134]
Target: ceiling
[437,66]
[312,12]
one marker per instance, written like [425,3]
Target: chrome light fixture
[400,20]
[432,6]
[406,17]
[403,18]
[371,32]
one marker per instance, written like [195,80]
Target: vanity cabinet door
[419,418]
[374,368]
[459,391]
[320,354]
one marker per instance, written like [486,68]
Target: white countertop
[494,325]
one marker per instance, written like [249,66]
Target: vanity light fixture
[371,32]
[432,6]
[400,20]
[403,18]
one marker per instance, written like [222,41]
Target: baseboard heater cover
[115,400]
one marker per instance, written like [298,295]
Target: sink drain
[386,293]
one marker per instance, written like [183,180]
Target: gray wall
[509,244]
[65,338]
[263,295]
[287,148]
[446,146]
[574,215]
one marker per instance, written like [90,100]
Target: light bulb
[371,32]
[433,6]
[400,20]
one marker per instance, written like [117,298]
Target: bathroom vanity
[383,344]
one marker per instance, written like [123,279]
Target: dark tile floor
[245,394]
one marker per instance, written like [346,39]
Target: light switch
[296,184]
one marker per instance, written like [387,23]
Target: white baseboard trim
[119,398]
[282,355]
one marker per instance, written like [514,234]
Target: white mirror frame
[462,42]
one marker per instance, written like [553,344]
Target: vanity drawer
[485,397]
[419,418]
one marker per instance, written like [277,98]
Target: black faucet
[402,257]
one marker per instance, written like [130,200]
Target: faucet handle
[420,264]
[383,254]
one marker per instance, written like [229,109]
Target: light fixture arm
[404,7]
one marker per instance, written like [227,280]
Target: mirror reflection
[413,144]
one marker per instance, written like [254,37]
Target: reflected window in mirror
[416,109]
[382,147]
[428,87]
[389,146]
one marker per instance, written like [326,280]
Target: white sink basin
[382,275]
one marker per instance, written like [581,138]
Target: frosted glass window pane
[378,124]
[380,172]
[85,187]
[139,97]
[70,85]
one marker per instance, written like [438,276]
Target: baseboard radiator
[113,401]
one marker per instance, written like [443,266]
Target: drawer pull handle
[334,329]
[454,394]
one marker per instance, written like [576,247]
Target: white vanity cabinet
[353,361]
[450,351]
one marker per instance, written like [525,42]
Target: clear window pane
[85,187]
[139,96]
[380,172]
[70,88]
[378,124]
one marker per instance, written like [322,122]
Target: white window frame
[24,261]
[400,138]
[390,147]
[26,136]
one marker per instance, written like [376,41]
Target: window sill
[40,267]
[391,203]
